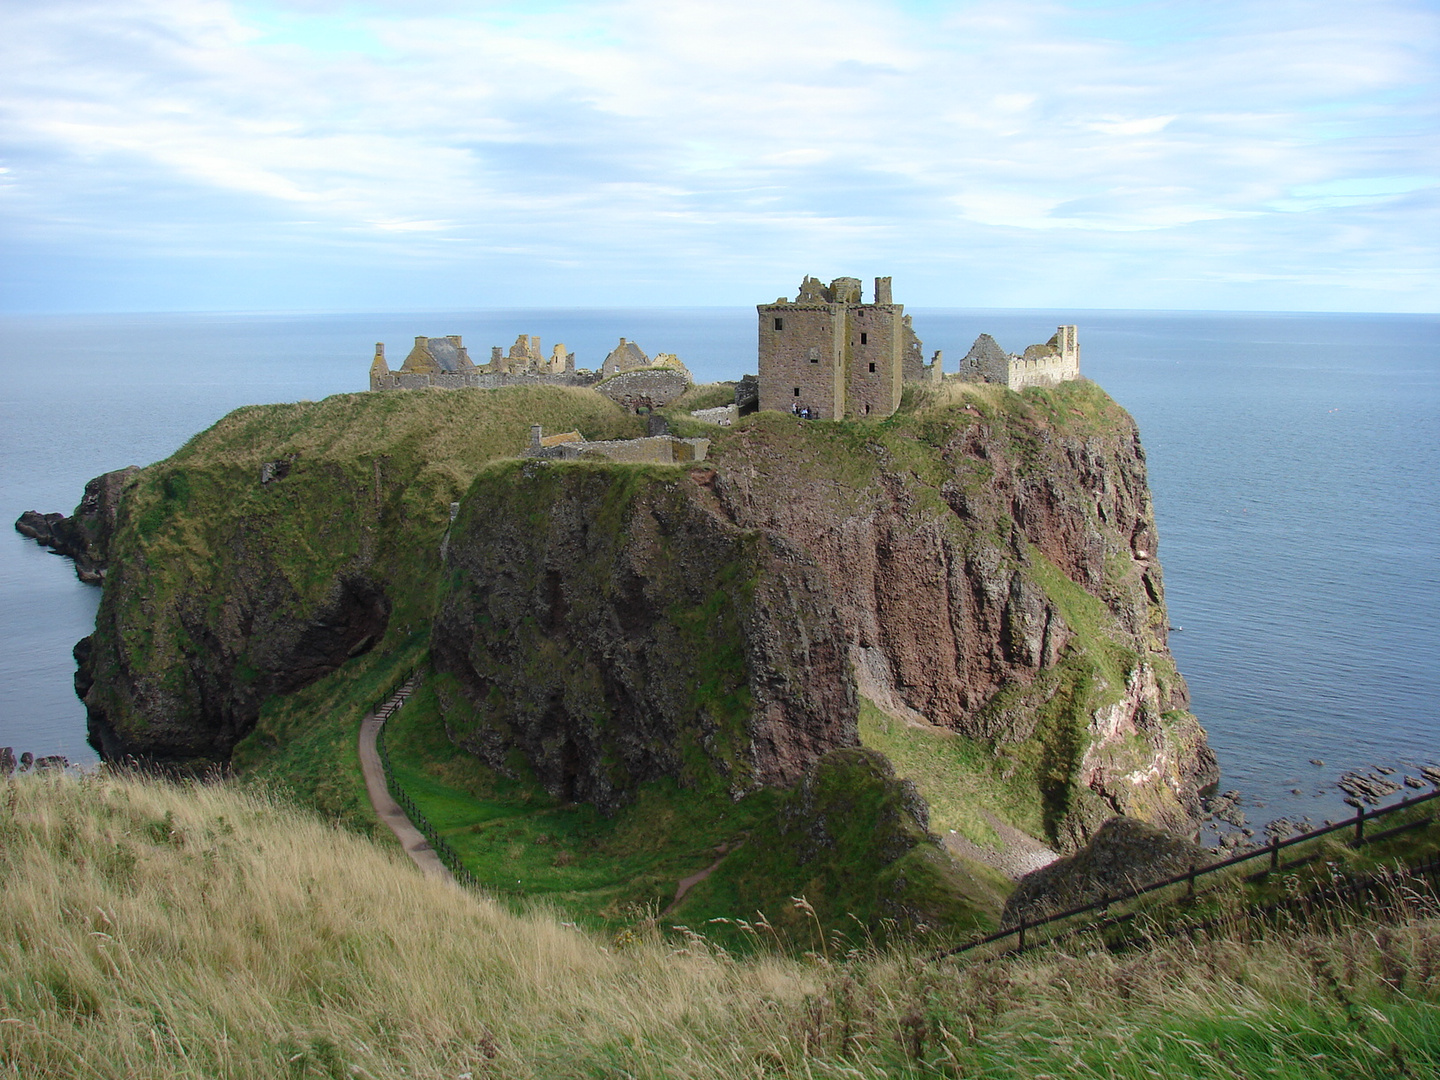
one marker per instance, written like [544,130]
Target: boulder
[1122,856]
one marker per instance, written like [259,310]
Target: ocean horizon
[1294,461]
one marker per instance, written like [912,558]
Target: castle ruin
[1057,361]
[830,355]
[445,363]
[628,376]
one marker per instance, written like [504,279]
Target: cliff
[282,542]
[993,560]
[981,567]
[85,535]
[611,628]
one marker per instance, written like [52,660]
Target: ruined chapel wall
[1044,371]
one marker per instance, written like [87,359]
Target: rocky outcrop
[994,567]
[607,625]
[282,542]
[235,653]
[1123,856]
[84,536]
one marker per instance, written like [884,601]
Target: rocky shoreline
[26,762]
[1233,832]
[84,536]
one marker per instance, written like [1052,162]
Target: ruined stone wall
[657,450]
[456,380]
[915,368]
[722,415]
[875,345]
[646,389]
[985,362]
[802,349]
[1041,371]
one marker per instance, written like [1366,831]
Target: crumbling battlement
[830,353]
[1057,361]
[445,363]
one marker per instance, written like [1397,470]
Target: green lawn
[519,841]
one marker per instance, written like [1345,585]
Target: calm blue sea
[1294,459]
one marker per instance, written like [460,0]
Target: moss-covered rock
[283,541]
[851,845]
[604,624]
[1123,855]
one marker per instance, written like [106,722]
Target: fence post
[1360,825]
[1022,934]
[1275,852]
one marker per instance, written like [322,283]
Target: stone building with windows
[833,356]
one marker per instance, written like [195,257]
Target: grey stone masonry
[1056,361]
[652,450]
[445,363]
[647,388]
[832,355]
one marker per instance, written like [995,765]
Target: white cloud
[1145,126]
[642,134]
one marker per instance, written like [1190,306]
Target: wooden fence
[1024,932]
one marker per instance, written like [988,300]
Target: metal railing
[1270,851]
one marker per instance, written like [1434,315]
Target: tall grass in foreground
[160,931]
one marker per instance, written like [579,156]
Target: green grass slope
[167,932]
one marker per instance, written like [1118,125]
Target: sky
[324,155]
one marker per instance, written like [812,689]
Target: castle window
[872,368]
[797,391]
[863,339]
[779,324]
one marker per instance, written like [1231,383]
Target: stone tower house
[829,352]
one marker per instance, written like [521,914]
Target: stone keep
[829,352]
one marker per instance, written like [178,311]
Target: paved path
[388,810]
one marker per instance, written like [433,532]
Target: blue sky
[162,155]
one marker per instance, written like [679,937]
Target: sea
[1294,461]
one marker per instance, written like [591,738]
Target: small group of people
[805,413]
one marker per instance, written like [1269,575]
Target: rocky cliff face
[281,543]
[983,564]
[993,559]
[85,535]
[610,627]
